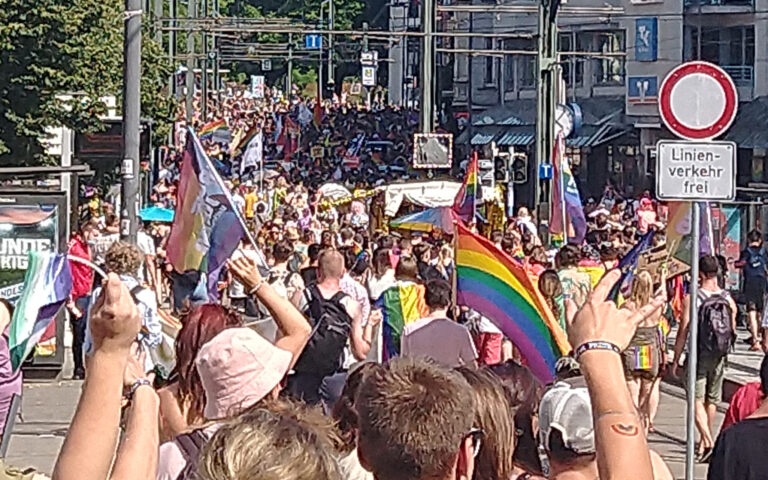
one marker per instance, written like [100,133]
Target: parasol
[156,214]
[439,218]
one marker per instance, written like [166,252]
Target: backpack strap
[191,444]
[134,293]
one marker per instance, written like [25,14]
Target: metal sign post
[697,102]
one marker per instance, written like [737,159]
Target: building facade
[613,63]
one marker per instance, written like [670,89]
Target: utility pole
[330,45]
[289,75]
[129,198]
[157,15]
[320,60]
[204,73]
[172,48]
[190,77]
[427,67]
[545,101]
[216,61]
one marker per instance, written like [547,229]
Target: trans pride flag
[207,226]
[466,200]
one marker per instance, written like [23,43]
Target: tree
[59,59]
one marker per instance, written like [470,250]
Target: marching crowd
[285,377]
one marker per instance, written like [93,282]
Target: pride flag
[317,116]
[207,130]
[47,285]
[566,197]
[466,199]
[497,287]
[207,227]
[400,304]
[242,144]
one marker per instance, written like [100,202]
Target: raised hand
[114,321]
[600,320]
[245,271]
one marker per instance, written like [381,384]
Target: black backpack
[331,325]
[755,262]
[191,445]
[715,332]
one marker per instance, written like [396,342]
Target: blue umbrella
[156,214]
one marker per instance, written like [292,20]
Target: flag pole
[87,263]
[477,186]
[561,159]
[454,277]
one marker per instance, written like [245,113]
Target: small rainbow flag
[243,143]
[401,304]
[207,130]
[643,357]
[466,199]
[496,286]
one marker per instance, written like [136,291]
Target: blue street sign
[545,171]
[313,41]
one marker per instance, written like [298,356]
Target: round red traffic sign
[698,101]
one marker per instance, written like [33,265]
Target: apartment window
[572,65]
[607,69]
[520,68]
[733,48]
[490,77]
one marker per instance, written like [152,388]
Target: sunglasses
[477,435]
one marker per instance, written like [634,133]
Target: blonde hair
[123,258]
[271,443]
[642,289]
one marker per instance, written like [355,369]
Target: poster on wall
[726,224]
[646,39]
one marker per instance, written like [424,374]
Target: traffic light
[485,172]
[501,168]
[519,167]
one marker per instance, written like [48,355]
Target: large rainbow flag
[243,142]
[496,286]
[207,227]
[401,304]
[466,199]
[207,130]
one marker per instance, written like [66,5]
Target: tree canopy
[59,59]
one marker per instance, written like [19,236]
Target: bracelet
[595,345]
[136,385]
[256,287]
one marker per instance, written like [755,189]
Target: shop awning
[750,129]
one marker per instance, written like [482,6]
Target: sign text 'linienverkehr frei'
[700,171]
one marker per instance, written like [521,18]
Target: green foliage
[303,76]
[59,58]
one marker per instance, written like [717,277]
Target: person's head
[523,393]
[414,422]
[238,368]
[568,256]
[497,236]
[199,326]
[494,416]
[289,442]
[123,259]
[313,252]
[330,265]
[326,239]
[381,261]
[344,412]
[523,212]
[539,256]
[764,375]
[642,289]
[437,294]
[755,238]
[566,429]
[406,248]
[407,269]
[282,251]
[551,288]
[386,242]
[88,228]
[708,267]
[422,252]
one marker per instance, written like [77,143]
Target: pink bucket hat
[239,367]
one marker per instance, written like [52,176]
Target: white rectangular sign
[257,86]
[697,171]
[369,76]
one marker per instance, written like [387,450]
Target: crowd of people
[285,376]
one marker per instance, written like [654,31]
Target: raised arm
[682,334]
[599,332]
[89,447]
[289,320]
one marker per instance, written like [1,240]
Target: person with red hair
[182,401]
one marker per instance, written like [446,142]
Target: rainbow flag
[317,115]
[243,142]
[497,287]
[207,130]
[207,227]
[466,200]
[401,304]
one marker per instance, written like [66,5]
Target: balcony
[720,6]
[742,75]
